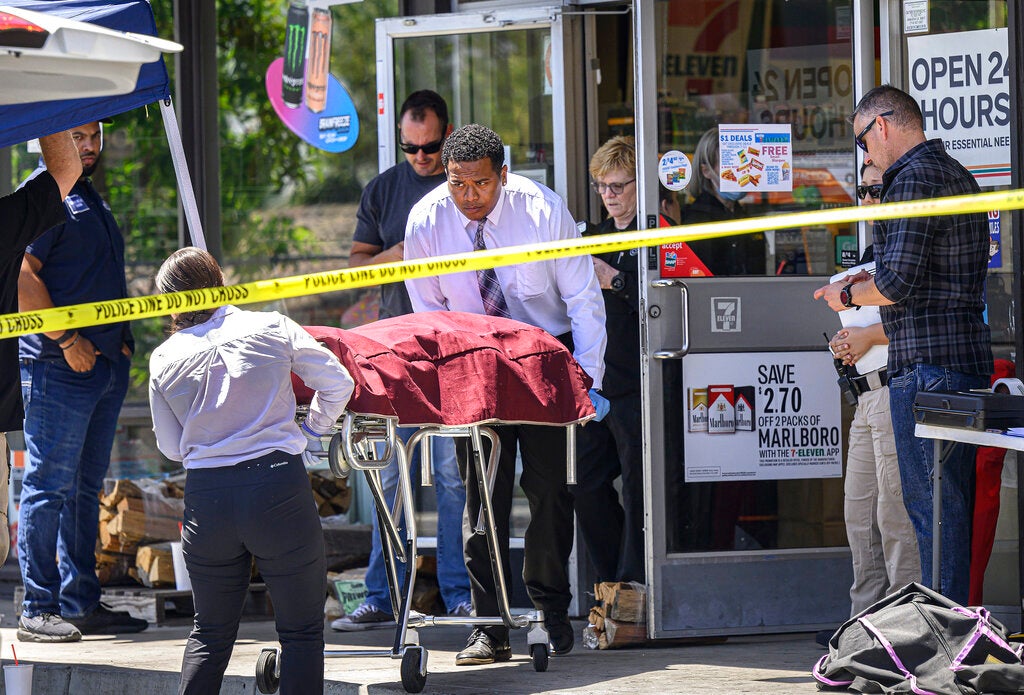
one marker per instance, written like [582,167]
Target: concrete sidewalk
[149,663]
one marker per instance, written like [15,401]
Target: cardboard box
[351,593]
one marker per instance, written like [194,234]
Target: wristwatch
[846,297]
[618,282]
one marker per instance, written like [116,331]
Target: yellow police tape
[96,313]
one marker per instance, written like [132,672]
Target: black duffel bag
[918,641]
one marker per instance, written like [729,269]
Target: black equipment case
[972,410]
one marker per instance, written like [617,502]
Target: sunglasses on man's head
[429,148]
[874,189]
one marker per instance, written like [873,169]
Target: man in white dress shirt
[483,206]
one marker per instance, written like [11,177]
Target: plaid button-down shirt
[933,268]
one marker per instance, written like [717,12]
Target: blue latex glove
[601,404]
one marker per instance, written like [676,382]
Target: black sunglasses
[429,148]
[860,136]
[875,190]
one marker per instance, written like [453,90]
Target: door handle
[685,347]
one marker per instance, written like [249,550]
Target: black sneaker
[47,627]
[560,636]
[483,649]
[103,621]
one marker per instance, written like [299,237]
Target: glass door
[504,70]
[746,433]
[500,69]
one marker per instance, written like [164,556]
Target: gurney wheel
[412,680]
[539,654]
[267,675]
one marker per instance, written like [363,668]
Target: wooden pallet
[168,606]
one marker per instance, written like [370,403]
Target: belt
[870,381]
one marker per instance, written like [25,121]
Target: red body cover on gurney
[453,368]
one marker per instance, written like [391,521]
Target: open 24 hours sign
[761,416]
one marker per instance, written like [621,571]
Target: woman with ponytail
[221,394]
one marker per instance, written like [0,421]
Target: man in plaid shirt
[930,285]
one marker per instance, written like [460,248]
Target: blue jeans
[916,460]
[70,420]
[451,502]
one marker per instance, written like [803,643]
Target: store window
[760,64]
[501,79]
[775,70]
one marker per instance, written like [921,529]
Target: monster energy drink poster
[305,95]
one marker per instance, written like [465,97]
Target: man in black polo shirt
[27,213]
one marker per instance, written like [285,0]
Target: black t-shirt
[622,355]
[26,213]
[381,219]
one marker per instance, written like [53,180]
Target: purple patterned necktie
[490,288]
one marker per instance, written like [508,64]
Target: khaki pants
[5,480]
[882,539]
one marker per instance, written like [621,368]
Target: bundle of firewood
[620,618]
[138,517]
[134,515]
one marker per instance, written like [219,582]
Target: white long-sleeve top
[221,392]
[560,295]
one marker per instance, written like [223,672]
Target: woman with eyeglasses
[735,255]
[878,528]
[613,530]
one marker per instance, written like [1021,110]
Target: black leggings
[260,509]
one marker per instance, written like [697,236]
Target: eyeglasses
[874,190]
[860,136]
[616,188]
[429,148]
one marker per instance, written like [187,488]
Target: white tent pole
[185,191]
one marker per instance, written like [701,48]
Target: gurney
[448,374]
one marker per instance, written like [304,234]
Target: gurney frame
[370,443]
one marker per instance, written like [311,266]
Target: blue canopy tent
[23,122]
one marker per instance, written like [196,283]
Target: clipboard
[878,355]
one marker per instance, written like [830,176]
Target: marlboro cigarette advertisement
[755,158]
[305,95]
[761,416]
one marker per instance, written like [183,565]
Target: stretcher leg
[389,521]
[404,636]
[537,636]
[388,551]
[485,482]
[491,475]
